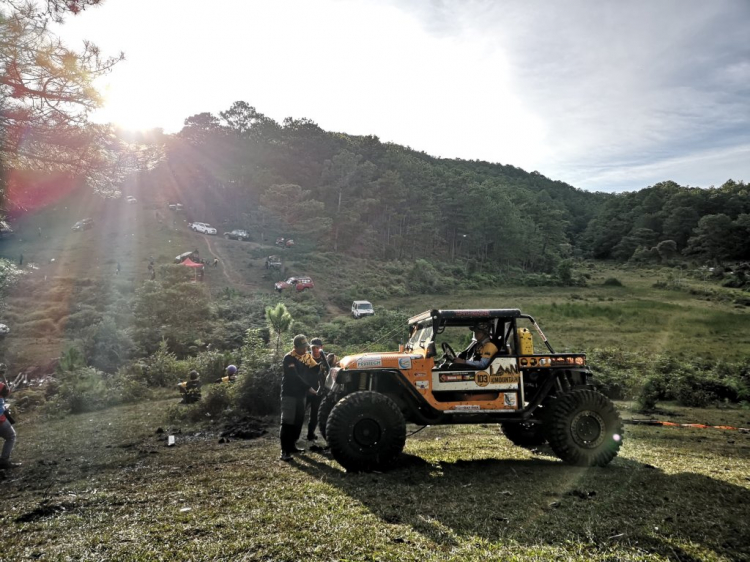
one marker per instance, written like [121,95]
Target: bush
[82,390]
[258,383]
[164,369]
[612,282]
[211,364]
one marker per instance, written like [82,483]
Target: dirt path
[231,274]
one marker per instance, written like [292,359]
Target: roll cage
[503,321]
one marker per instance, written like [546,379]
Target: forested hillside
[358,195]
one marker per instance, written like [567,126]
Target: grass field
[104,486]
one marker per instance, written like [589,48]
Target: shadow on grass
[626,506]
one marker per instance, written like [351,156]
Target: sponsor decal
[457,377]
[484,378]
[467,407]
[404,363]
[418,375]
[373,361]
[509,399]
[422,384]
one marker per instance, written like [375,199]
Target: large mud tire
[524,434]
[324,411]
[584,429]
[366,431]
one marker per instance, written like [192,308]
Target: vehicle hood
[387,360]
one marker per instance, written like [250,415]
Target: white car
[362,308]
[131,199]
[203,228]
[4,330]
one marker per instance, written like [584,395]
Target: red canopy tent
[190,263]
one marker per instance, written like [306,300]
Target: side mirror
[431,350]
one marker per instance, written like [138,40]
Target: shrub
[612,282]
[164,369]
[258,383]
[211,364]
[82,390]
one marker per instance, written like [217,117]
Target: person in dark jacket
[295,387]
[318,381]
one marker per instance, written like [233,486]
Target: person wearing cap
[191,388]
[483,351]
[7,433]
[318,381]
[295,386]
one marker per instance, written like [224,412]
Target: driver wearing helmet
[483,351]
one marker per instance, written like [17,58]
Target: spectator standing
[318,382]
[296,368]
[6,425]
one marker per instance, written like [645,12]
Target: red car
[301,283]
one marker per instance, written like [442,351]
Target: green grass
[105,486]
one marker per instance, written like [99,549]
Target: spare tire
[584,429]
[366,431]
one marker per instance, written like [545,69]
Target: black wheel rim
[588,429]
[366,432]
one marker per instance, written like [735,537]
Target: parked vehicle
[361,309]
[175,206]
[131,199]
[273,262]
[83,224]
[284,243]
[300,283]
[536,396]
[4,330]
[202,227]
[237,234]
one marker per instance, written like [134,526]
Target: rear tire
[584,429]
[366,431]
[524,434]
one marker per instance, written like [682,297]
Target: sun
[128,105]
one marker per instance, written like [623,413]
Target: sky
[604,95]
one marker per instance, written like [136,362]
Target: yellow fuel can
[526,342]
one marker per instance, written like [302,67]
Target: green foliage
[258,384]
[382,332]
[612,282]
[71,360]
[86,389]
[211,364]
[164,369]
[565,272]
[179,313]
[650,379]
[106,346]
[279,322]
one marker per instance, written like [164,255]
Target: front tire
[366,431]
[584,429]
[324,412]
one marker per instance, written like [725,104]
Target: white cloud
[570,89]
